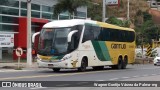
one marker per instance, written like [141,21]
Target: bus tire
[56,69]
[125,62]
[83,66]
[120,63]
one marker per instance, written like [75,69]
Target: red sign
[19,51]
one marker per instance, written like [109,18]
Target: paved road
[132,73]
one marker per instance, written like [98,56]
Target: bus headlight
[66,57]
[38,57]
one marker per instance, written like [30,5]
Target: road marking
[125,77]
[53,75]
[113,79]
[145,75]
[14,70]
[153,74]
[151,68]
[136,76]
[100,80]
[39,88]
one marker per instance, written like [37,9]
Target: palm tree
[70,6]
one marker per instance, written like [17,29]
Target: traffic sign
[112,2]
[19,51]
[149,49]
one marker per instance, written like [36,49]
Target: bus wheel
[120,63]
[56,69]
[83,65]
[98,68]
[125,62]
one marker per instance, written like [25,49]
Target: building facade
[13,19]
[154,4]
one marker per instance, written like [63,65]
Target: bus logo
[118,46]
[6,84]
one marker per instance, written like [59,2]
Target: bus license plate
[50,65]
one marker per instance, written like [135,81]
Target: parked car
[156,61]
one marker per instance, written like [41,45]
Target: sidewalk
[13,65]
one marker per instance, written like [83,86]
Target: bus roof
[67,23]
[73,22]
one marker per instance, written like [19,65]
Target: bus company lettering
[118,46]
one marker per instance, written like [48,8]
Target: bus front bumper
[61,64]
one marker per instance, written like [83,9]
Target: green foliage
[138,36]
[118,22]
[121,4]
[69,5]
[95,12]
[146,32]
[158,0]
[126,23]
[18,68]
[115,21]
[151,31]
[147,16]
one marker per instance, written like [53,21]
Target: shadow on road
[76,71]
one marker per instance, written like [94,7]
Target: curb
[15,65]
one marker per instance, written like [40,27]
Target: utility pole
[29,46]
[104,11]
[128,11]
[142,45]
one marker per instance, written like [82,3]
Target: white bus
[84,43]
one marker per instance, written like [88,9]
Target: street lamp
[29,48]
[104,11]
[128,10]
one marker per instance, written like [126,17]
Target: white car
[156,61]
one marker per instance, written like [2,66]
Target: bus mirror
[34,35]
[70,35]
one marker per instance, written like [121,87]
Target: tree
[115,21]
[95,10]
[158,0]
[151,31]
[118,22]
[146,33]
[70,6]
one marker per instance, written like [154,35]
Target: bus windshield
[53,41]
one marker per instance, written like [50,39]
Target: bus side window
[96,31]
[75,38]
[88,33]
[123,36]
[131,36]
[106,34]
[120,36]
